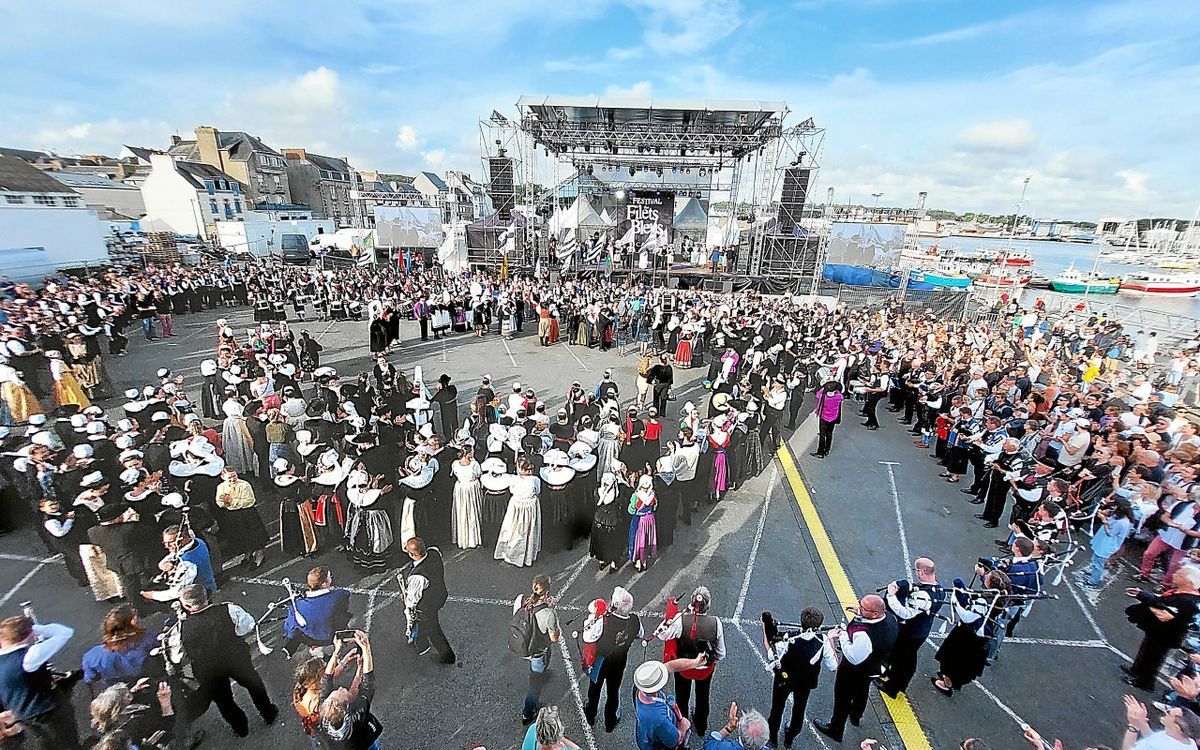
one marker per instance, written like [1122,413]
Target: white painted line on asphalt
[510,355]
[54,559]
[280,566]
[1087,615]
[579,568]
[753,646]
[1001,704]
[12,592]
[370,612]
[899,516]
[569,348]
[574,678]
[758,535]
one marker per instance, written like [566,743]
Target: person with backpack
[533,629]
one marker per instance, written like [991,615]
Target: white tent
[579,215]
[691,216]
[723,232]
[453,252]
[604,215]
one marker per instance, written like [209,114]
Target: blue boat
[861,276]
[957,281]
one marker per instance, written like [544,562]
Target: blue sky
[1097,101]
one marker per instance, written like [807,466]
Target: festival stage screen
[860,244]
[405,226]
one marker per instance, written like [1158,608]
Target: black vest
[918,627]
[698,634]
[432,568]
[618,635]
[797,666]
[210,642]
[883,637]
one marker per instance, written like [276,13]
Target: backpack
[525,638]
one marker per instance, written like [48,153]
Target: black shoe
[788,737]
[1131,681]
[981,516]
[609,730]
[967,491]
[826,730]
[872,427]
[991,525]
[817,455]
[1125,669]
[976,501]
[854,721]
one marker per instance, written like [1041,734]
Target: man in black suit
[127,545]
[424,596]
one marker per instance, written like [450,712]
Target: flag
[608,260]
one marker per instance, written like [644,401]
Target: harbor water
[1052,257]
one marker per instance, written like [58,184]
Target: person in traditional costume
[666,490]
[494,481]
[416,509]
[296,533]
[583,461]
[643,537]
[608,445]
[210,393]
[609,541]
[368,528]
[963,656]
[683,350]
[556,501]
[468,501]
[520,538]
[324,507]
[235,437]
[19,403]
[66,387]
[718,443]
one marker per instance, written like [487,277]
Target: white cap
[82,451]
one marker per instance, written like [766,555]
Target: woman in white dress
[235,439]
[521,533]
[468,501]
[609,445]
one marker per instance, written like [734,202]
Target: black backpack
[525,638]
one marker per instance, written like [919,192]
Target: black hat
[111,511]
[444,379]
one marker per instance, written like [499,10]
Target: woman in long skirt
[718,445]
[643,536]
[609,446]
[66,387]
[495,482]
[683,351]
[610,525]
[962,657]
[554,330]
[957,447]
[556,502]
[667,491]
[19,402]
[368,528]
[752,455]
[236,440]
[468,501]
[520,538]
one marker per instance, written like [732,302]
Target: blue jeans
[1096,569]
[376,745]
[148,327]
[537,679]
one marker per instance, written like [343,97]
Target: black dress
[610,532]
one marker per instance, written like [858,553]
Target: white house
[44,225]
[189,197]
[113,200]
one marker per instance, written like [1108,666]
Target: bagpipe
[56,676]
[287,601]
[777,640]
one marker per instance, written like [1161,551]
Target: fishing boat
[1073,281]
[1162,284]
[1017,259]
[1002,279]
[953,279]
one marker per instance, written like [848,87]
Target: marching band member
[964,654]
[857,652]
[915,605]
[689,634]
[796,663]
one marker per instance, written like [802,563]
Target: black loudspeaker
[791,200]
[500,179]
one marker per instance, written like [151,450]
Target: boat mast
[1012,232]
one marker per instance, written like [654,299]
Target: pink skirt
[645,539]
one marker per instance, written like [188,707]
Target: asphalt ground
[757,550]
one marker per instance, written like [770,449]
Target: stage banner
[645,212]
[859,244]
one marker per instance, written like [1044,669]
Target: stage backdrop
[647,211]
[865,244]
[404,226]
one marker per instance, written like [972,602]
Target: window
[237,188]
[223,185]
[44,200]
[14,200]
[212,206]
[278,181]
[211,187]
[71,201]
[237,205]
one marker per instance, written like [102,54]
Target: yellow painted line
[903,717]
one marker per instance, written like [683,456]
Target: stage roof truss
[675,131]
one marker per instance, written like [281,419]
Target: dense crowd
[1070,425]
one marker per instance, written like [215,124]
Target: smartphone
[346,636]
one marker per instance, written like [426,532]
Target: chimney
[175,139]
[295,154]
[206,144]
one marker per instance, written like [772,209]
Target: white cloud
[435,158]
[685,27]
[406,138]
[1004,136]
[639,90]
[378,69]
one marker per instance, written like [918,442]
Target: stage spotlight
[587,149]
[712,151]
[674,170]
[632,171]
[659,172]
[589,169]
[683,152]
[702,171]
[620,195]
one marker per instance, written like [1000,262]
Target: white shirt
[1162,741]
[48,641]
